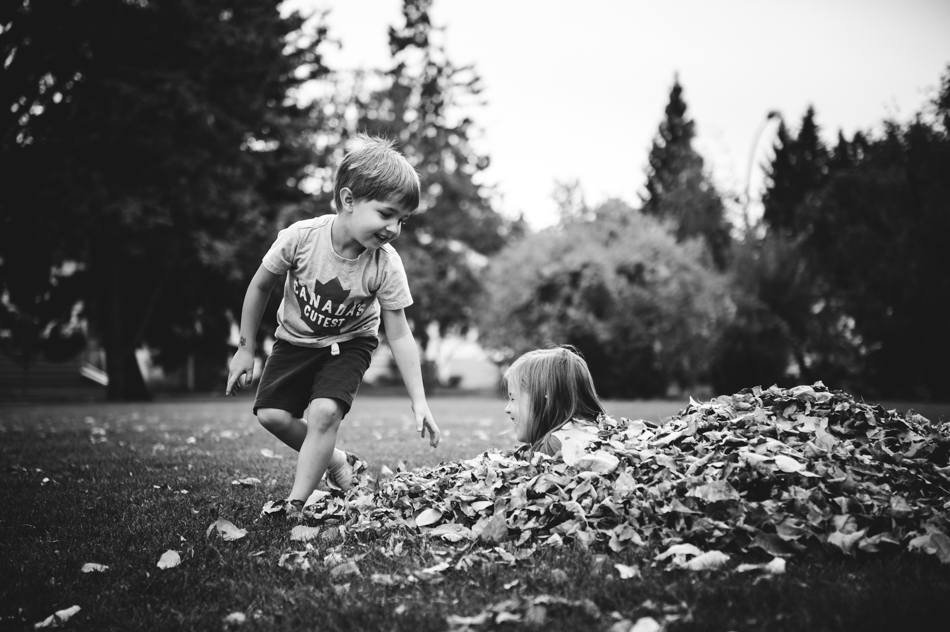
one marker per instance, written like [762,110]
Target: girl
[549,389]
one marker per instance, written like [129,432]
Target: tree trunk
[125,379]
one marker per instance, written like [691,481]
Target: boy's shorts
[294,376]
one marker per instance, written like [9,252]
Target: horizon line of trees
[843,279]
[152,149]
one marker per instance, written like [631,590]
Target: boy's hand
[242,365]
[424,421]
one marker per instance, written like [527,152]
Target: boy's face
[373,223]
[518,410]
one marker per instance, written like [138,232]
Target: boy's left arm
[406,354]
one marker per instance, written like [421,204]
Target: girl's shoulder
[550,445]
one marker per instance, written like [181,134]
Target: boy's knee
[274,419]
[325,413]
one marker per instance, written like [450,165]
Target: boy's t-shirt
[328,298]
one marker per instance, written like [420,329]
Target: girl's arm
[254,302]
[406,354]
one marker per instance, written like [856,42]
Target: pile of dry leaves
[787,471]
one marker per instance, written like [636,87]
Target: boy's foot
[344,470]
[285,508]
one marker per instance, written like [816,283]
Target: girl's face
[518,410]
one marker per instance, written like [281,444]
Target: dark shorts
[294,376]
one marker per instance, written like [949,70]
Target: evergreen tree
[799,167]
[678,190]
[445,243]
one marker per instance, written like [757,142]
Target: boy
[343,277]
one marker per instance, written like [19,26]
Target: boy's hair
[558,387]
[374,170]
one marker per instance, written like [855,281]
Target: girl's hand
[424,421]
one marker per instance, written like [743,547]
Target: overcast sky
[578,89]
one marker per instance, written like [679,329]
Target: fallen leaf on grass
[293,560]
[646,624]
[346,568]
[456,621]
[90,567]
[169,559]
[775,567]
[235,619]
[936,543]
[303,533]
[452,532]
[679,550]
[846,541]
[709,560]
[341,589]
[384,579]
[627,572]
[270,454]
[57,618]
[226,530]
[250,481]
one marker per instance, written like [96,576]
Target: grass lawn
[120,484]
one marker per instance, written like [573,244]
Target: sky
[577,90]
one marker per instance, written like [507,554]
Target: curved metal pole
[748,178]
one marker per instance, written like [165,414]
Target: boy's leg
[284,391]
[285,426]
[316,450]
[333,390]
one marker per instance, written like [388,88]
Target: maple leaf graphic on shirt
[324,308]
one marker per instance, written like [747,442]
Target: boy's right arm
[242,364]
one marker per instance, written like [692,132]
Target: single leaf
[57,618]
[226,530]
[169,559]
[452,532]
[941,544]
[303,533]
[428,516]
[679,549]
[600,461]
[496,530]
[709,560]
[235,618]
[787,463]
[646,624]
[346,568]
[91,567]
[627,572]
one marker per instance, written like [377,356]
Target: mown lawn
[119,485]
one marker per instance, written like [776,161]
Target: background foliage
[152,150]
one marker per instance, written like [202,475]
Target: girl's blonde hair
[558,387]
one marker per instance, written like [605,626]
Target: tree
[864,224]
[152,144]
[642,308]
[879,242]
[420,104]
[677,189]
[799,167]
